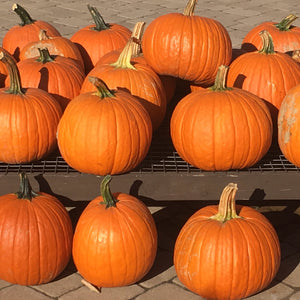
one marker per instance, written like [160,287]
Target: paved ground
[238,16]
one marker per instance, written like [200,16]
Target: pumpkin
[57,45]
[97,39]
[28,119]
[115,239]
[104,132]
[60,76]
[221,128]
[288,126]
[286,38]
[138,78]
[187,46]
[226,251]
[20,35]
[266,73]
[36,236]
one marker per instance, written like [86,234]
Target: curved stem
[108,198]
[227,209]
[220,81]
[102,89]
[23,14]
[14,74]
[44,56]
[190,8]
[98,20]
[286,23]
[25,190]
[136,36]
[267,43]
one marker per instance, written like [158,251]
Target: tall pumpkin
[28,119]
[187,46]
[226,251]
[221,128]
[35,236]
[115,239]
[104,132]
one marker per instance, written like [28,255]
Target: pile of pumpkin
[99,96]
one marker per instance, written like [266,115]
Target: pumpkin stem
[267,41]
[108,199]
[220,81]
[102,89]
[124,60]
[25,190]
[286,23]
[23,14]
[136,37]
[190,8]
[44,56]
[227,208]
[43,36]
[98,20]
[14,74]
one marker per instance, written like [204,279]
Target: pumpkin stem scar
[25,190]
[98,20]
[108,199]
[227,209]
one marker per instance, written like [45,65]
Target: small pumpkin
[226,251]
[20,35]
[115,239]
[28,119]
[104,132]
[35,236]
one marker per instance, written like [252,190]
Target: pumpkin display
[138,78]
[97,39]
[57,45]
[36,236]
[115,239]
[227,251]
[288,126]
[60,76]
[28,119]
[286,37]
[273,75]
[187,46]
[104,132]
[28,31]
[221,128]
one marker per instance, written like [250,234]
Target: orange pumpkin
[104,132]
[96,40]
[115,239]
[286,38]
[187,46]
[35,236]
[226,251]
[221,128]
[28,119]
[20,35]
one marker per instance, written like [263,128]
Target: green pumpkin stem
[220,81]
[102,89]
[227,207]
[267,43]
[14,74]
[286,23]
[190,8]
[124,60]
[108,198]
[44,56]
[23,14]
[25,190]
[98,20]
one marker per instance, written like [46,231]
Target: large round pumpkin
[187,46]
[104,132]
[220,128]
[227,252]
[28,119]
[35,236]
[289,126]
[115,239]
